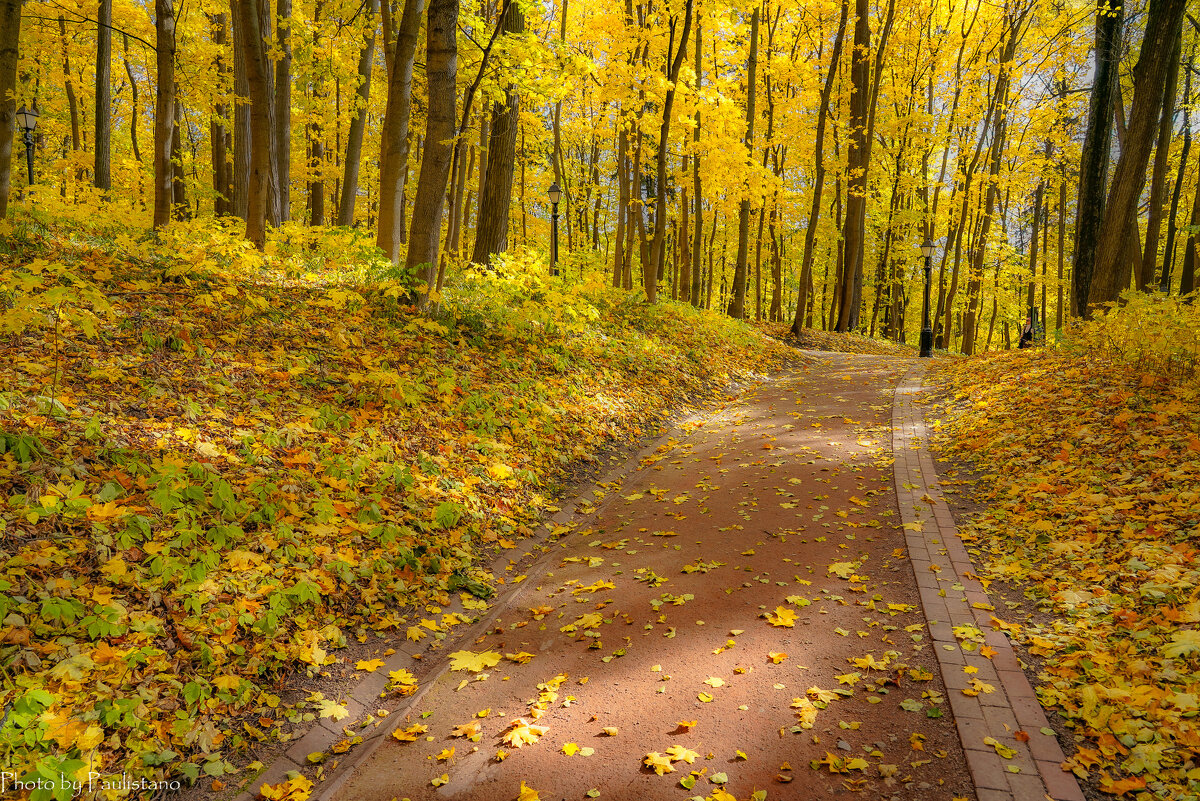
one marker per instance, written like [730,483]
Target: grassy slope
[214,467]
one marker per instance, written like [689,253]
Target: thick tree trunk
[393,167]
[657,250]
[283,108]
[10,37]
[164,110]
[441,71]
[810,233]
[262,124]
[856,189]
[737,303]
[103,116]
[358,122]
[1154,62]
[241,116]
[1093,162]
[495,191]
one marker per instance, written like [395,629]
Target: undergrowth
[216,465]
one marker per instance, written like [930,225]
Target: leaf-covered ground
[216,466]
[1091,476]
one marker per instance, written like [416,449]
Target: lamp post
[926,331]
[555,195]
[27,121]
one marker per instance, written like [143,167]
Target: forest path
[745,600]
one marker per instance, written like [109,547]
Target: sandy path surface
[665,619]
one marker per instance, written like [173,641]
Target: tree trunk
[262,124]
[103,117]
[394,142]
[358,122]
[495,191]
[316,137]
[1187,275]
[241,116]
[1150,75]
[856,189]
[1169,251]
[179,202]
[164,110]
[1093,162]
[283,108]
[620,254]
[216,128]
[1158,180]
[737,303]
[810,233]
[653,270]
[697,189]
[10,37]
[69,82]
[441,70]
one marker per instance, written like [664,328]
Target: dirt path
[782,504]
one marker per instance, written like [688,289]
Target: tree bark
[216,128]
[1158,180]
[179,202]
[241,116]
[737,303]
[69,83]
[358,122]
[1149,78]
[654,269]
[10,38]
[393,146]
[103,118]
[495,191]
[164,110]
[697,189]
[441,70]
[283,109]
[1169,250]
[856,190]
[262,124]
[810,233]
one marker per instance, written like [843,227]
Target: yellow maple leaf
[782,616]
[571,749]
[466,729]
[369,665]
[415,633]
[520,658]
[474,662]
[658,763]
[776,656]
[677,753]
[522,733]
[410,734]
[445,754]
[527,793]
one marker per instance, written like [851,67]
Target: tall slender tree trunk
[69,82]
[697,188]
[10,38]
[316,136]
[1164,284]
[856,190]
[393,166]
[358,122]
[441,69]
[1149,77]
[103,118]
[216,126]
[164,110]
[654,269]
[1158,181]
[179,201]
[283,108]
[810,233]
[620,254]
[737,303]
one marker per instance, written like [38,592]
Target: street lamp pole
[555,195]
[926,330]
[27,119]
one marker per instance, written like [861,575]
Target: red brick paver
[952,598]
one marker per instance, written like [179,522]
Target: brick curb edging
[952,596]
[365,696]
